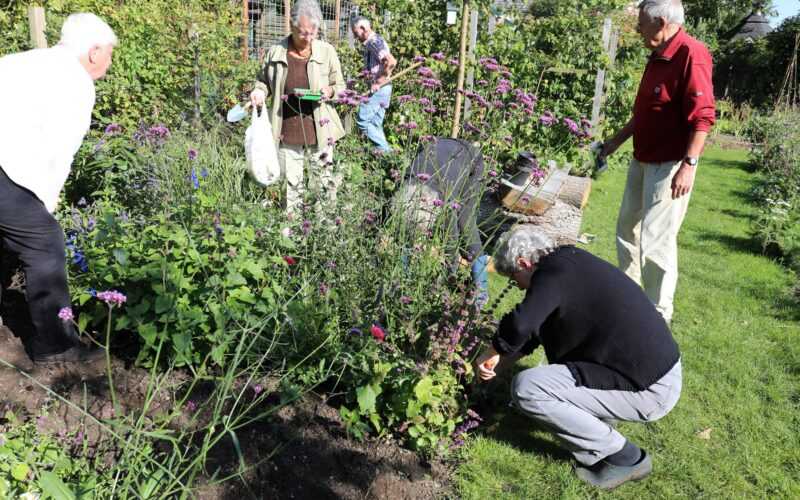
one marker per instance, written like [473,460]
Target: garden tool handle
[401,73]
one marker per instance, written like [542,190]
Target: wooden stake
[245,30]
[338,19]
[36,23]
[287,15]
[462,65]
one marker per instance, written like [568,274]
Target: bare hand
[375,87]
[257,97]
[486,364]
[682,181]
[327,92]
[609,148]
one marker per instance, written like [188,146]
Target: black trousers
[31,237]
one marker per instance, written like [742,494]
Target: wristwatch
[690,160]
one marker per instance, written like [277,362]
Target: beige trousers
[647,231]
[321,178]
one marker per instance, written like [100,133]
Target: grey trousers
[578,416]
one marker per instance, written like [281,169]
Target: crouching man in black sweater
[612,356]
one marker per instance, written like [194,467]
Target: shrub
[776,155]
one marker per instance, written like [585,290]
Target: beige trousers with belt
[321,177]
[647,231]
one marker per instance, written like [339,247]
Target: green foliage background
[153,73]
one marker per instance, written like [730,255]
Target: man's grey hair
[522,241]
[356,20]
[670,10]
[309,9]
[417,204]
[81,32]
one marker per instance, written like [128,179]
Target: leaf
[20,471]
[704,434]
[424,390]
[366,399]
[163,303]
[53,486]
[121,255]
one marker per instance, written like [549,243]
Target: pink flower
[439,56]
[66,314]
[419,59]
[492,173]
[455,205]
[191,406]
[454,61]
[377,333]
[112,297]
[284,97]
[289,260]
[424,177]
[405,299]
[257,389]
[410,125]
[438,203]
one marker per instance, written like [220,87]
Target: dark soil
[302,451]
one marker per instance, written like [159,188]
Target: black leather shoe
[76,354]
[607,476]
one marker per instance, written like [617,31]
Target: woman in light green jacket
[306,131]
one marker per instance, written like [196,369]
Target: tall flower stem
[108,362]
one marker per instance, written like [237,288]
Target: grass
[737,326]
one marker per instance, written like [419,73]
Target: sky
[785,9]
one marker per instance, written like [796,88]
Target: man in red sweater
[672,115]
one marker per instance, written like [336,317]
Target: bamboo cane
[462,64]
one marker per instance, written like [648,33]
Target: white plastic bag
[259,148]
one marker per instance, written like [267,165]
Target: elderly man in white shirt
[39,137]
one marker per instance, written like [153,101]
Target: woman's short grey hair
[670,10]
[309,9]
[81,32]
[417,204]
[522,241]
[356,20]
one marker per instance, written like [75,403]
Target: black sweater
[592,318]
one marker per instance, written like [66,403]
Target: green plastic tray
[308,95]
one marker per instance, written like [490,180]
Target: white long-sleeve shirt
[46,101]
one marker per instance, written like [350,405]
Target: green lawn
[738,330]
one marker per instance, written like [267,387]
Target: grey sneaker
[606,476]
[77,354]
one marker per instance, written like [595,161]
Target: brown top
[298,119]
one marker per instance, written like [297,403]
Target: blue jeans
[480,278]
[371,114]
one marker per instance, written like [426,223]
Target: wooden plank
[473,42]
[36,23]
[576,191]
[600,79]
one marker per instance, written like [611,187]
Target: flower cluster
[113,129]
[78,257]
[66,314]
[112,297]
[155,135]
[472,421]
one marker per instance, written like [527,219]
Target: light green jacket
[324,70]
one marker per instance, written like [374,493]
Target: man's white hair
[417,204]
[522,241]
[309,9]
[83,31]
[670,10]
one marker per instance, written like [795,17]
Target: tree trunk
[575,191]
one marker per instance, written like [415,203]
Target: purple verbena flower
[439,56]
[65,314]
[112,298]
[113,129]
[192,154]
[424,177]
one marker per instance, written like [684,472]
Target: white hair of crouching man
[415,201]
[522,241]
[84,31]
[309,9]
[671,10]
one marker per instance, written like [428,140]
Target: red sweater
[675,98]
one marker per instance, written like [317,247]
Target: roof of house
[751,27]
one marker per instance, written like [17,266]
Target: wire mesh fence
[267,22]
